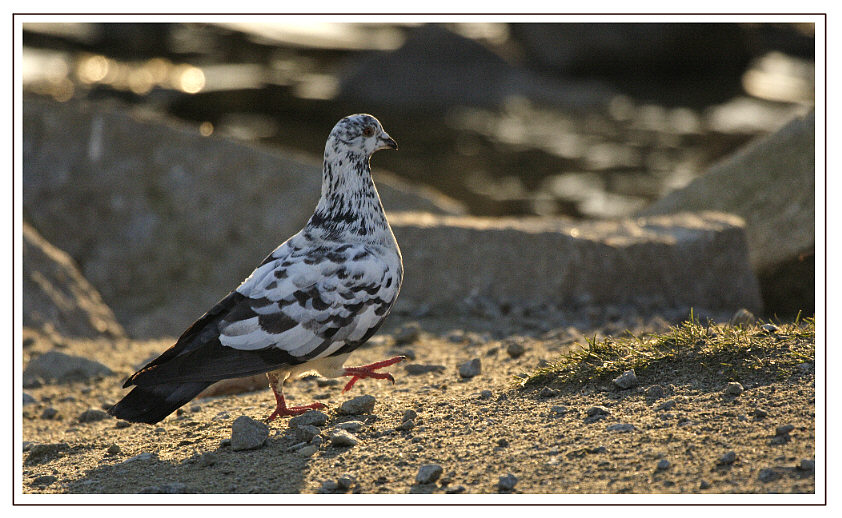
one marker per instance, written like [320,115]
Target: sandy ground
[486,433]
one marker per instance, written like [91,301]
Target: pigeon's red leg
[367,371]
[282,409]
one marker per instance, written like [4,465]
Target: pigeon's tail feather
[152,403]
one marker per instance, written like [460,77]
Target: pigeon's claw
[368,371]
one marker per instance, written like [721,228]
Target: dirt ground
[486,433]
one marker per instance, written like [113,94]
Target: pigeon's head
[361,134]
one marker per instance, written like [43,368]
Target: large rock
[160,219]
[56,297]
[770,184]
[679,261]
[436,69]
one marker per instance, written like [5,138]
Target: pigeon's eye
[368,131]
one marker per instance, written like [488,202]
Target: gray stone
[769,328]
[311,417]
[304,433]
[769,475]
[343,438]
[141,457]
[784,429]
[760,413]
[620,427]
[733,389]
[485,394]
[771,184]
[207,459]
[666,405]
[407,334]
[55,366]
[470,368]
[428,473]
[359,405]
[703,258]
[44,480]
[307,451]
[808,465]
[727,458]
[409,414]
[506,482]
[351,426]
[597,410]
[248,434]
[28,399]
[57,297]
[409,424]
[655,392]
[49,413]
[92,415]
[742,317]
[142,203]
[345,481]
[662,465]
[547,392]
[626,380]
[419,368]
[439,69]
[515,349]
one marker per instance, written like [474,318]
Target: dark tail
[150,404]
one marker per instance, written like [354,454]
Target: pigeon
[316,298]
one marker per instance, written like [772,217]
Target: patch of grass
[688,350]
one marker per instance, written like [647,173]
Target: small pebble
[655,392]
[704,484]
[358,405]
[547,392]
[807,465]
[28,400]
[515,349]
[428,473]
[759,413]
[409,414]
[92,415]
[49,413]
[666,405]
[341,438]
[330,485]
[409,424]
[663,464]
[768,475]
[224,443]
[307,451]
[311,417]
[597,410]
[195,408]
[784,429]
[507,482]
[485,394]
[727,458]
[626,380]
[454,490]
[470,368]
[620,427]
[769,328]
[407,334]
[122,424]
[733,389]
[345,481]
[248,434]
[423,368]
[559,409]
[351,426]
[304,433]
[208,458]
[114,449]
[44,480]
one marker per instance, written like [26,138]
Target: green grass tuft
[690,350]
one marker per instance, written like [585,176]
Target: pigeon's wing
[297,306]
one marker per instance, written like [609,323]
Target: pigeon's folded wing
[290,310]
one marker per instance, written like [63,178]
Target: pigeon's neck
[350,205]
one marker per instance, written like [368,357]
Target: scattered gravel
[428,473]
[40,453]
[359,405]
[248,434]
[470,368]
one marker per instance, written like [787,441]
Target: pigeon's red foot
[367,371]
[281,409]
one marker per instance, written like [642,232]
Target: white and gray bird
[314,299]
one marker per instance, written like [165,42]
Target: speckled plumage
[310,303]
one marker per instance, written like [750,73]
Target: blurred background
[580,122]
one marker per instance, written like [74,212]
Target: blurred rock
[163,221]
[770,184]
[436,69]
[57,297]
[679,261]
[623,49]
[54,366]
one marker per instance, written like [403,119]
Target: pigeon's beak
[387,142]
